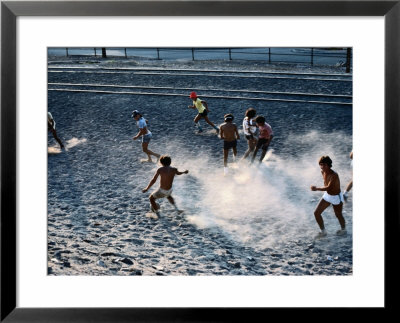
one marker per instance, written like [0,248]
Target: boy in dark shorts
[332,195]
[202,109]
[167,174]
[229,133]
[264,139]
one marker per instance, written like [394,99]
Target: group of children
[258,134]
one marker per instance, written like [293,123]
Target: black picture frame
[10,10]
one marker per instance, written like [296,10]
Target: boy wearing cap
[202,109]
[51,126]
[167,175]
[264,139]
[145,133]
[229,133]
[332,195]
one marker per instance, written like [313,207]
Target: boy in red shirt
[264,139]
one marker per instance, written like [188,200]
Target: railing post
[192,54]
[158,53]
[66,51]
[312,56]
[348,59]
[230,54]
[103,53]
[126,56]
[95,52]
[269,55]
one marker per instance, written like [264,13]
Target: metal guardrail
[269,54]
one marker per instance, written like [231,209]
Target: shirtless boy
[332,196]
[229,133]
[167,174]
[202,109]
[264,139]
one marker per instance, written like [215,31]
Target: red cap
[193,95]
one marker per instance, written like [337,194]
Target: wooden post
[230,54]
[269,55]
[312,56]
[95,52]
[348,60]
[103,53]
[126,56]
[158,53]
[66,51]
[193,54]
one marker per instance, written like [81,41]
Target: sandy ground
[256,221]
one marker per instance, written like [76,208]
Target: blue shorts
[146,138]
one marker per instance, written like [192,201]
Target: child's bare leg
[172,201]
[234,153]
[153,203]
[254,154]
[338,212]
[196,122]
[226,152]
[251,144]
[322,205]
[148,151]
[211,124]
[54,132]
[263,153]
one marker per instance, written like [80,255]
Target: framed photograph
[180,174]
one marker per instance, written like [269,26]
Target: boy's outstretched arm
[180,173]
[154,179]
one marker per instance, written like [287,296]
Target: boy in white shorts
[332,195]
[167,174]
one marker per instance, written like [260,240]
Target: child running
[264,139]
[229,133]
[146,135]
[250,131]
[350,184]
[167,174]
[51,126]
[332,196]
[203,110]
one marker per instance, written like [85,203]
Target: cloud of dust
[265,204]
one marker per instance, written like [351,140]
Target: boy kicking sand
[332,196]
[167,174]
[229,133]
